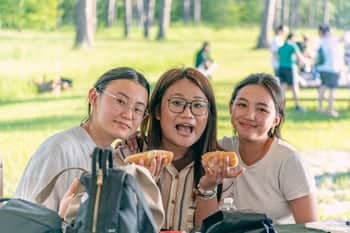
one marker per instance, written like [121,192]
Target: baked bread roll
[147,156]
[220,155]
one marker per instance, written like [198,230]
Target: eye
[241,104]
[263,110]
[177,102]
[199,104]
[139,110]
[120,101]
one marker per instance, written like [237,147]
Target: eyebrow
[182,96]
[259,103]
[128,97]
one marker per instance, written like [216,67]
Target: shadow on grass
[40,123]
[314,116]
[336,178]
[39,99]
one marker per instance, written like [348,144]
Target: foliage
[28,13]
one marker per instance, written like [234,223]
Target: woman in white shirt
[276,180]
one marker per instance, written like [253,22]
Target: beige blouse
[176,188]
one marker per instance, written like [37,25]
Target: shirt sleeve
[45,164]
[295,178]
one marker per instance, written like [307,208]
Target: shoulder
[60,144]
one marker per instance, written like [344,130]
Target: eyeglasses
[197,107]
[121,102]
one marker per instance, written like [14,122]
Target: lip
[247,125]
[123,124]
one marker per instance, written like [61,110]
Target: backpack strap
[46,191]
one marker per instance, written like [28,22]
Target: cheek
[202,124]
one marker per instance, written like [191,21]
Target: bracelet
[206,194]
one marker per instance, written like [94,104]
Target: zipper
[99,183]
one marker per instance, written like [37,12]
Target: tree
[266,24]
[294,13]
[284,12]
[111,12]
[197,11]
[164,18]
[127,17]
[148,6]
[85,20]
[140,14]
[186,10]
[326,16]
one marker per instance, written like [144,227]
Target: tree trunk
[284,12]
[186,10]
[85,20]
[148,11]
[164,20]
[277,18]
[266,24]
[127,17]
[111,13]
[197,11]
[311,14]
[325,18]
[294,13]
[140,16]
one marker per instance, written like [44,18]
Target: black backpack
[20,216]
[114,203]
[237,222]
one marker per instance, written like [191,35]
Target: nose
[250,113]
[187,110]
[128,113]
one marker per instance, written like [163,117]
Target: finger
[153,167]
[73,187]
[64,204]
[234,171]
[206,167]
[141,162]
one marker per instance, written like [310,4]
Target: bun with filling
[147,156]
[220,155]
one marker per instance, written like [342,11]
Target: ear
[158,115]
[92,96]
[277,120]
[230,107]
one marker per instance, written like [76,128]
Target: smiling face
[115,108]
[253,113]
[181,129]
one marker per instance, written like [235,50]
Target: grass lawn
[27,118]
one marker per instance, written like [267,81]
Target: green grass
[27,118]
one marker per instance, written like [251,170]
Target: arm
[304,209]
[204,208]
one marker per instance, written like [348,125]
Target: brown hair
[207,141]
[272,85]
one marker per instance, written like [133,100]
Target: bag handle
[144,216]
[46,191]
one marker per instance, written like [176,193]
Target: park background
[80,39]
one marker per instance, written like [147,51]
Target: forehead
[255,93]
[130,88]
[185,88]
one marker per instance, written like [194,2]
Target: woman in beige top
[182,119]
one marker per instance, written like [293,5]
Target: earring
[271,132]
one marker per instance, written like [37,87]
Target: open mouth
[184,129]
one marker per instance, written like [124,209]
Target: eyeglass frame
[127,104]
[189,103]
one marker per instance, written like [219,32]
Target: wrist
[206,193]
